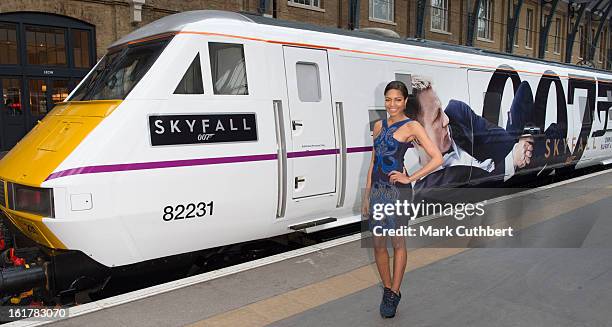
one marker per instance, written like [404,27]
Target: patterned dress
[389,156]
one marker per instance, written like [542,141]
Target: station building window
[81,42]
[382,10]
[60,90]
[485,20]
[8,44]
[307,3]
[38,96]
[557,37]
[529,29]
[42,58]
[439,15]
[11,97]
[46,45]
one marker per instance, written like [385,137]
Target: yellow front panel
[39,153]
[33,227]
[42,150]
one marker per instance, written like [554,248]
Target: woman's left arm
[430,148]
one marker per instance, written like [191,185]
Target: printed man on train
[472,147]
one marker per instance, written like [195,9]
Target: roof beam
[471,23]
[513,22]
[420,19]
[544,30]
[598,33]
[571,35]
[354,11]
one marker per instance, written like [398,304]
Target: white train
[210,128]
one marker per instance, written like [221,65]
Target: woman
[388,183]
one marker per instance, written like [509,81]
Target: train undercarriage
[32,275]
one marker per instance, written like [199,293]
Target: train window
[376,115]
[308,82]
[119,71]
[406,79]
[228,68]
[191,83]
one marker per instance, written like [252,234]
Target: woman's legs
[381,256]
[399,262]
[391,294]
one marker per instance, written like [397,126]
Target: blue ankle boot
[388,305]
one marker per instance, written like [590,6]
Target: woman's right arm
[366,193]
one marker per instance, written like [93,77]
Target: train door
[312,152]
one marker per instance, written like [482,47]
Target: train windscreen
[119,71]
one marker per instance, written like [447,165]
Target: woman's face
[395,103]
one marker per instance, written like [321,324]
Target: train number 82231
[188,211]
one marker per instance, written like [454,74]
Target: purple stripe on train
[313,153]
[359,149]
[159,164]
[194,162]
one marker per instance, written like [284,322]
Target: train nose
[26,167]
[41,151]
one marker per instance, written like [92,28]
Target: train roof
[414,42]
[176,22]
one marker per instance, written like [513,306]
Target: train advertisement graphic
[540,131]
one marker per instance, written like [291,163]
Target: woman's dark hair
[397,85]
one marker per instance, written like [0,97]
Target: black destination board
[202,128]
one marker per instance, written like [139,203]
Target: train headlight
[34,200]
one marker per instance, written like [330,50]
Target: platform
[557,271]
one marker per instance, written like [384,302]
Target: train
[209,128]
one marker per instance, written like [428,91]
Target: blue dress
[388,156]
